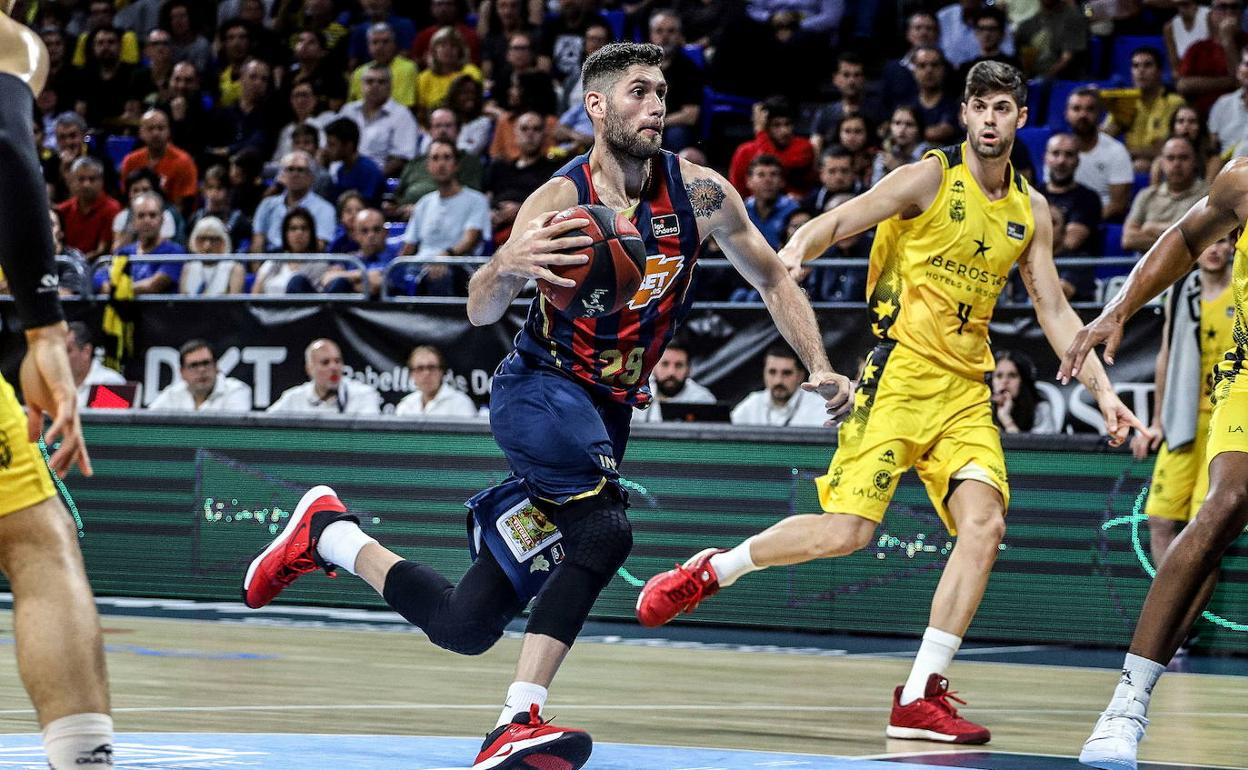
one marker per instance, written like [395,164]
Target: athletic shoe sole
[557,751]
[1103,762]
[301,510]
[917,734]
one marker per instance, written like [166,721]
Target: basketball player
[1199,315]
[950,228]
[560,407]
[59,652]
[1186,577]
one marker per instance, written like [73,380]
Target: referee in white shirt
[202,387]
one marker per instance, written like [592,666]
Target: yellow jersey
[1233,360]
[934,280]
[1217,317]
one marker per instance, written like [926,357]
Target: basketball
[611,277]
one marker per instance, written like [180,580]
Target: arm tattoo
[706,196]
[1094,385]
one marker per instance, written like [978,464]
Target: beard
[995,151]
[670,386]
[622,139]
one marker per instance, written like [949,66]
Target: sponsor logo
[870,494]
[957,210]
[958,187]
[661,272]
[592,305]
[539,564]
[888,457]
[100,755]
[526,530]
[665,226]
[1231,429]
[607,463]
[49,281]
[556,553]
[882,480]
[834,480]
[1016,230]
[962,270]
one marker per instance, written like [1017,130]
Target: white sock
[935,654]
[79,740]
[1139,676]
[341,542]
[520,696]
[733,564]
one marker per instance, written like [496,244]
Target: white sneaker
[1116,737]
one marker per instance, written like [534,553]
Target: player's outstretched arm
[1167,261]
[721,214]
[531,251]
[907,191]
[1061,323]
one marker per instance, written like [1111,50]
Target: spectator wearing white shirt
[671,380]
[957,32]
[782,402]
[202,387]
[450,221]
[84,366]
[1229,115]
[327,391]
[1104,162]
[388,132]
[434,396]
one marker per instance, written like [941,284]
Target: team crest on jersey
[592,305]
[957,205]
[661,272]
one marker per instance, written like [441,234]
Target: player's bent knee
[597,533]
[839,535]
[1225,502]
[466,638]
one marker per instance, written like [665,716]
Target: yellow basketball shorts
[1181,477]
[909,412]
[24,476]
[1228,427]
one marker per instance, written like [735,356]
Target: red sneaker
[678,590]
[293,552]
[933,717]
[529,743]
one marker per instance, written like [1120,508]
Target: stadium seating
[1035,139]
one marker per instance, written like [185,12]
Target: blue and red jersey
[614,354]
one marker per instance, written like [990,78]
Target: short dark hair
[994,77]
[782,350]
[992,12]
[190,346]
[308,131]
[766,159]
[344,130]
[447,142]
[680,341]
[835,151]
[81,332]
[140,174]
[605,65]
[778,107]
[1150,52]
[1091,91]
[437,353]
[219,174]
[849,57]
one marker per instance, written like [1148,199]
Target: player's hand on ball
[1119,420]
[1105,329]
[48,387]
[837,392]
[532,251]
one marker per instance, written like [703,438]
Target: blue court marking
[134,649]
[237,751]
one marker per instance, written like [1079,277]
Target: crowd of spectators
[224,141]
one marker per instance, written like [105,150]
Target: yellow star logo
[884,308]
[860,400]
[869,372]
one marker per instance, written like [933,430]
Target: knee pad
[597,535]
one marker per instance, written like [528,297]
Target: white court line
[962,653]
[956,752]
[743,707]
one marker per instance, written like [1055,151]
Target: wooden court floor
[189,676]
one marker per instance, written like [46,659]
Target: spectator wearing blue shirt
[347,168]
[449,221]
[377,12]
[767,205]
[146,212]
[369,229]
[297,176]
